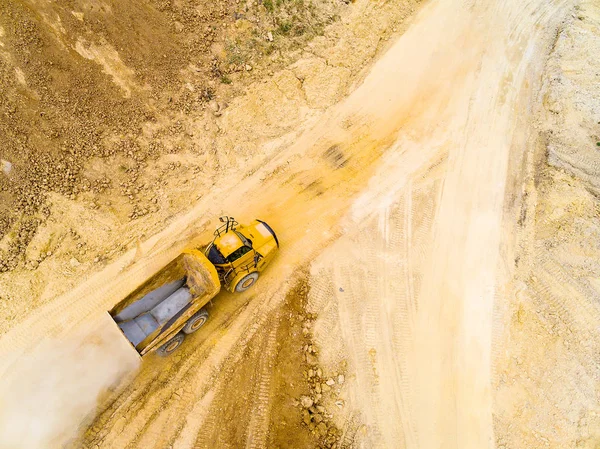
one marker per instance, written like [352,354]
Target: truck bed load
[159,309]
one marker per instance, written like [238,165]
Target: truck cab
[241,252]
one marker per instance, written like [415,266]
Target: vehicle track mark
[258,428]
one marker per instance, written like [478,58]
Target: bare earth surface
[437,284]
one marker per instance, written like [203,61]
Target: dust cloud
[47,394]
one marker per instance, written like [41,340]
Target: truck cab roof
[228,243]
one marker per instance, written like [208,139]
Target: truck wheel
[195,322]
[246,282]
[169,347]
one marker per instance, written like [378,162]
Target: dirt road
[400,201]
[428,268]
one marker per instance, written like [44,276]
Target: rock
[306,401]
[306,417]
[341,379]
[74,262]
[320,409]
[270,36]
[330,382]
[318,388]
[555,106]
[311,373]
[322,429]
[318,418]
[6,166]
[325,387]
[248,67]
[340,403]
[319,372]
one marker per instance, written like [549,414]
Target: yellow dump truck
[169,305]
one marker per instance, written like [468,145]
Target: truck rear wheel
[169,347]
[195,322]
[246,282]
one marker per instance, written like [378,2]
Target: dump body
[158,309]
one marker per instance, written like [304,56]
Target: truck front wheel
[169,347]
[195,322]
[246,282]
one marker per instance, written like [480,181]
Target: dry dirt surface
[89,87]
[436,287]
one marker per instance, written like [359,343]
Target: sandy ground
[436,282]
[547,373]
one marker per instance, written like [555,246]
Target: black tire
[195,322]
[169,347]
[246,282]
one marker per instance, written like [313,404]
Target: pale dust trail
[52,388]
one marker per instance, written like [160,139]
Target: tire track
[258,429]
[376,272]
[576,304]
[192,428]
